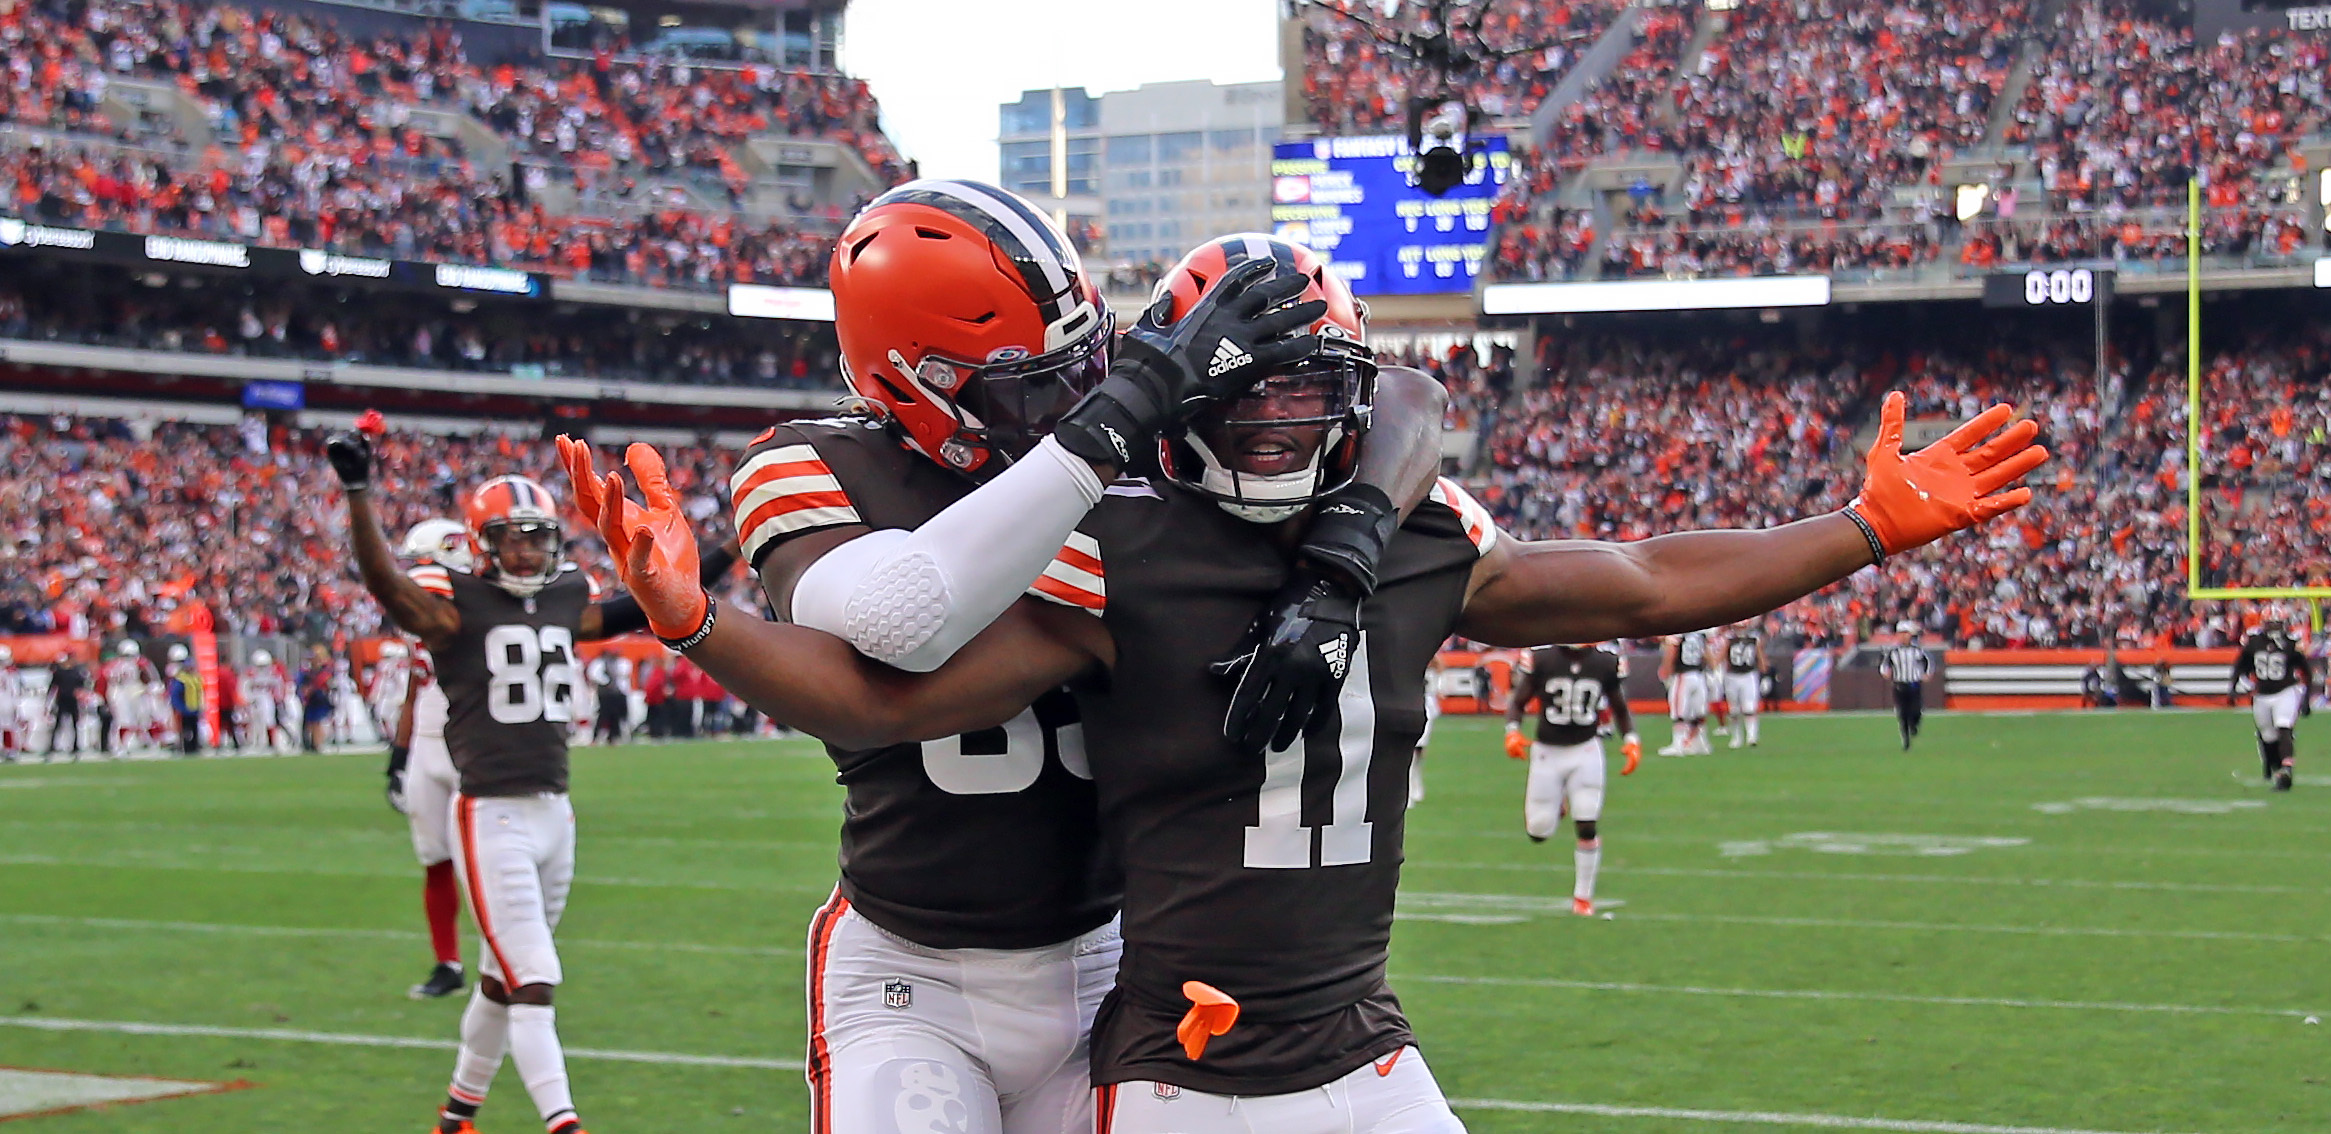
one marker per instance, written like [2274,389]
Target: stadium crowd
[1820,111]
[116,529]
[321,147]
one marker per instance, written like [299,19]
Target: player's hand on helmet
[654,547]
[1948,486]
[398,754]
[1240,331]
[1517,745]
[350,451]
[1293,664]
[1632,749]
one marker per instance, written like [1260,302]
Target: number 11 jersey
[510,681]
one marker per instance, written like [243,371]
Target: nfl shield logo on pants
[1166,1092]
[897,994]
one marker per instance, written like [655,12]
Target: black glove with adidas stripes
[1295,659]
[1161,372]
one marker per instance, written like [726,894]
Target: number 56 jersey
[510,683]
[987,840]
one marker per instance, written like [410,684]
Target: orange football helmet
[965,317]
[1325,399]
[509,514]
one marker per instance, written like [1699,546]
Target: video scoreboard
[1355,201]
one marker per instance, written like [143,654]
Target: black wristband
[703,631]
[398,755]
[1348,534]
[1877,549]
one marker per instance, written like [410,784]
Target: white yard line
[349,1039]
[1840,995]
[818,888]
[1767,1118]
[1563,868]
[1507,909]
[680,1059]
[205,927]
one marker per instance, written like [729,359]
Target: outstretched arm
[417,612]
[1585,591]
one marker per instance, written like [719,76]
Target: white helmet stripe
[1041,248]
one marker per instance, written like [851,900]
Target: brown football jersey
[510,684]
[987,840]
[1571,685]
[1272,877]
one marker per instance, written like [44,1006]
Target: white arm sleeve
[912,598]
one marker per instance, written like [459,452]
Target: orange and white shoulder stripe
[1478,526]
[784,490]
[1074,577]
[434,578]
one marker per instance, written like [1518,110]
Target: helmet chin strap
[1257,498]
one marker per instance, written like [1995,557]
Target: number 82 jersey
[510,684]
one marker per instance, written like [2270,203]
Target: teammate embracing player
[972,936]
[1261,863]
[503,645]
[2279,677]
[1571,686]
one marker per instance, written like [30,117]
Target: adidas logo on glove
[1227,357]
[1338,655]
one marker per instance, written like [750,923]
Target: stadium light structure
[1655,295]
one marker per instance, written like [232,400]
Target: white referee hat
[1906,626]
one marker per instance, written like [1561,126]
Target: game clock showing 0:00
[2048,287]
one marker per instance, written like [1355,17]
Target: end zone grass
[2049,923]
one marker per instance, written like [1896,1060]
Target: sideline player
[1279,888]
[264,687]
[1571,685]
[1432,709]
[15,721]
[1744,681]
[130,682]
[503,646]
[1683,663]
[1906,666]
[971,939]
[2279,676]
[421,778]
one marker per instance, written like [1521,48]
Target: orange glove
[1948,486]
[1633,751]
[1517,746]
[653,548]
[1211,1013]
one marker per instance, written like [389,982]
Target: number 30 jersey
[987,840]
[1571,685]
[1271,877]
[510,684]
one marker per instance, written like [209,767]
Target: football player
[264,688]
[130,682]
[1432,707]
[1683,664]
[2278,675]
[503,647]
[1744,681]
[15,723]
[1571,685]
[972,935]
[1259,893]
[421,779]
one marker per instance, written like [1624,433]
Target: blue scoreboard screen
[1355,201]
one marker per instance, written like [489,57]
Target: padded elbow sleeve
[911,599]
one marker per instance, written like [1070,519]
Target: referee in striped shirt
[1906,666]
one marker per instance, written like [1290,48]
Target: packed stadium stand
[244,123]
[114,527]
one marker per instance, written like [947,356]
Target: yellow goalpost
[2194,589]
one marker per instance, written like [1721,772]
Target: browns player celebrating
[503,644]
[1259,892]
[972,935]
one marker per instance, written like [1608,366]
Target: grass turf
[2106,965]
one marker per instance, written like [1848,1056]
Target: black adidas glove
[1294,665]
[1348,533]
[1161,371]
[351,455]
[398,754]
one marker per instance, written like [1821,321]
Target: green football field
[2038,924]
